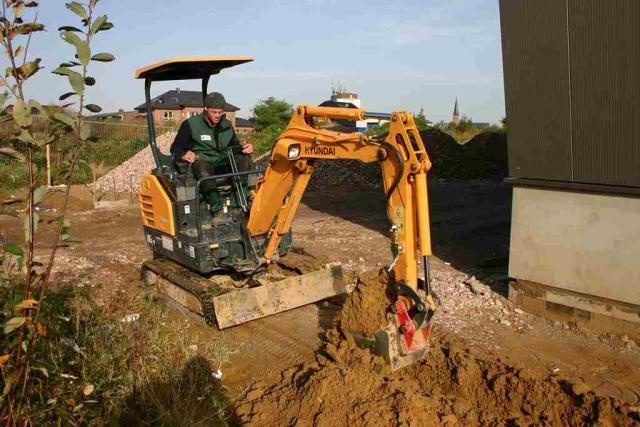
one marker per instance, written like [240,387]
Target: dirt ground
[483,345]
[450,386]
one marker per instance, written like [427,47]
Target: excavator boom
[405,163]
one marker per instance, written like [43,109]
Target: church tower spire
[455,119]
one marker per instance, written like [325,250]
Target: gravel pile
[127,176]
[482,157]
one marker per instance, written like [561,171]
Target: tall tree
[270,116]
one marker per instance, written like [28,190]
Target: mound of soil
[452,385]
[364,311]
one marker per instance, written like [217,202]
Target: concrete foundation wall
[581,242]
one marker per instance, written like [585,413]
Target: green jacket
[210,144]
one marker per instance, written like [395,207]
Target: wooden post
[93,172]
[48,150]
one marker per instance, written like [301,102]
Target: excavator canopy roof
[189,68]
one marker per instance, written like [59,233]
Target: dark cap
[215,100]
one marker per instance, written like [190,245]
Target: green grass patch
[93,368]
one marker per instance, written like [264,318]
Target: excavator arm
[405,164]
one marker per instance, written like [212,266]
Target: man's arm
[183,142]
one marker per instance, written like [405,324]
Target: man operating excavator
[239,265]
[204,142]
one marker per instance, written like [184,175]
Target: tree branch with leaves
[21,324]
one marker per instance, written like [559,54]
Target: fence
[116,142]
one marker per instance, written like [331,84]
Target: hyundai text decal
[317,150]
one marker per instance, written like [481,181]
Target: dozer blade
[220,302]
[248,304]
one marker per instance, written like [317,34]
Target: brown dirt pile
[451,386]
[350,386]
[364,311]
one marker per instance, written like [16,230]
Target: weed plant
[91,367]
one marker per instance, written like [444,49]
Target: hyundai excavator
[239,265]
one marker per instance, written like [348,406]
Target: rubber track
[196,285]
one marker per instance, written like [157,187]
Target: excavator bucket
[225,301]
[401,343]
[405,339]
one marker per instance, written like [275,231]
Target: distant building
[120,115]
[343,99]
[244,126]
[177,105]
[455,118]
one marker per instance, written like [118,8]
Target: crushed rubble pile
[452,385]
[341,173]
[464,298]
[482,157]
[127,176]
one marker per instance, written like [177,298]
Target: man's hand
[247,148]
[189,156]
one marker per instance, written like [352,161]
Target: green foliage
[379,130]
[271,116]
[421,120]
[12,177]
[89,367]
[20,321]
[103,57]
[464,125]
[93,108]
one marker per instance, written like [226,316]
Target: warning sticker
[167,243]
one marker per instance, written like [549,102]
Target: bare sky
[404,56]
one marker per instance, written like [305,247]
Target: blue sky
[405,56]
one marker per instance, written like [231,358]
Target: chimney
[178,91]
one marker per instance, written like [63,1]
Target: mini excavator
[239,265]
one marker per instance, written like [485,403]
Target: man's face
[214,115]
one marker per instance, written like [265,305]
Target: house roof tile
[176,99]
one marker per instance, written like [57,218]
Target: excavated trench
[350,386]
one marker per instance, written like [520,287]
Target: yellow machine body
[156,206]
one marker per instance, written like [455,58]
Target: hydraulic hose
[398,155]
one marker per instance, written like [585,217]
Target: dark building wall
[572,71]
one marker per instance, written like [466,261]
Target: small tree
[464,125]
[271,116]
[421,120]
[22,326]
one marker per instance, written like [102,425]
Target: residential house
[177,105]
[244,126]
